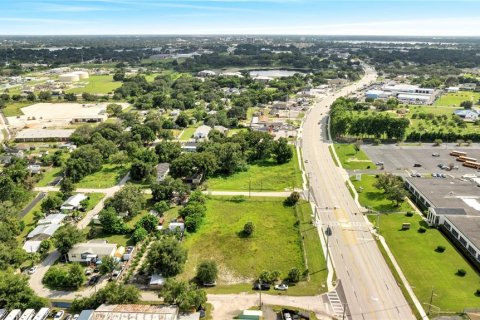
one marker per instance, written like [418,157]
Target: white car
[287,316]
[32,270]
[58,315]
[281,287]
[75,316]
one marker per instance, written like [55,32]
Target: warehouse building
[454,208]
[135,312]
[42,135]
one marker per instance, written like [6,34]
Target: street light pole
[328,232]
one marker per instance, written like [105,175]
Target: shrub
[292,199]
[409,214]
[248,228]
[440,249]
[477,293]
[422,230]
[294,275]
[461,272]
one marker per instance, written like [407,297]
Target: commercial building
[135,312]
[41,135]
[415,98]
[454,208]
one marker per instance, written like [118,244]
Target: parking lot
[398,159]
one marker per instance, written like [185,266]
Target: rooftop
[448,193]
[469,225]
[44,133]
[92,247]
[135,312]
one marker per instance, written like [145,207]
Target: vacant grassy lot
[454,99]
[263,175]
[98,84]
[425,268]
[187,133]
[14,109]
[107,177]
[275,244]
[49,175]
[374,198]
[93,199]
[352,159]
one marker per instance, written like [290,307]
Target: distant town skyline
[305,17]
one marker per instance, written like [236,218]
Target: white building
[91,251]
[73,203]
[202,132]
[415,98]
[44,231]
[452,89]
[207,73]
[52,218]
[135,312]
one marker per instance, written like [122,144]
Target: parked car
[93,280]
[261,286]
[210,284]
[88,271]
[281,287]
[32,270]
[417,165]
[287,316]
[379,163]
[75,316]
[306,161]
[68,317]
[435,155]
[59,315]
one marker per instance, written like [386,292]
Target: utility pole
[249,187]
[308,185]
[328,232]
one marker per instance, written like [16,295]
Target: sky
[305,17]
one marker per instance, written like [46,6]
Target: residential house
[202,132]
[467,115]
[162,171]
[43,231]
[91,251]
[73,203]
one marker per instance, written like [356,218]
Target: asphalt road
[370,289]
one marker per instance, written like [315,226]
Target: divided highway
[371,291]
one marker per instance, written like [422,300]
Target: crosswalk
[335,303]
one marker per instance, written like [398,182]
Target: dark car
[417,165]
[261,286]
[93,280]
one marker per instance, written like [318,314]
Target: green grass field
[14,109]
[49,175]
[94,198]
[426,269]
[454,99]
[187,133]
[374,198]
[107,177]
[275,244]
[262,176]
[97,84]
[351,159]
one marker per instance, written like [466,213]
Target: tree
[141,171]
[467,104]
[67,187]
[15,292]
[437,142]
[168,151]
[148,222]
[139,234]
[248,229]
[112,293]
[282,151]
[182,120]
[114,109]
[207,272]
[70,97]
[69,276]
[51,203]
[146,134]
[166,256]
[160,207]
[45,246]
[186,296]
[294,275]
[119,75]
[128,200]
[66,237]
[111,222]
[108,265]
[166,189]
[44,96]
